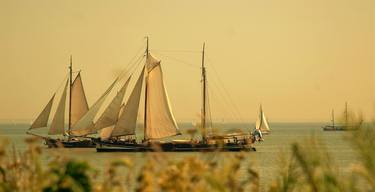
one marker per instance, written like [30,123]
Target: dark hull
[337,128]
[54,143]
[170,147]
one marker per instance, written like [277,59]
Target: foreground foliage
[307,168]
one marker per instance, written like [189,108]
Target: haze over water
[298,58]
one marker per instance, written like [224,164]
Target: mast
[70,93]
[346,113]
[261,117]
[333,118]
[203,115]
[145,111]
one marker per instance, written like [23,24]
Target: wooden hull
[54,143]
[171,147]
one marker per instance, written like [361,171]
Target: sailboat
[337,127]
[78,114]
[159,121]
[262,123]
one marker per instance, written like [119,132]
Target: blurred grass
[308,167]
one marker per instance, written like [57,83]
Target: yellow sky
[298,58]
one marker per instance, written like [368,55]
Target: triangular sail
[110,115]
[127,121]
[262,123]
[42,119]
[57,125]
[79,106]
[160,122]
[265,126]
[86,122]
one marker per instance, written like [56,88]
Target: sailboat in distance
[339,127]
[262,123]
[78,114]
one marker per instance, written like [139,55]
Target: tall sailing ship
[339,127]
[79,115]
[159,121]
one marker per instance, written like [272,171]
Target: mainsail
[127,121]
[262,123]
[160,122]
[86,122]
[79,106]
[42,119]
[110,115]
[57,125]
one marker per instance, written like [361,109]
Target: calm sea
[265,160]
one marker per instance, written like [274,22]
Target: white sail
[265,122]
[257,123]
[42,119]
[127,121]
[57,125]
[79,106]
[83,126]
[262,123]
[110,115]
[160,122]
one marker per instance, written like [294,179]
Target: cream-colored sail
[105,133]
[85,124]
[79,106]
[111,113]
[160,122]
[57,125]
[262,123]
[127,121]
[42,119]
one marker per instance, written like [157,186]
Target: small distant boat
[262,123]
[159,121]
[335,127]
[79,115]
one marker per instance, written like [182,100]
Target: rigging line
[177,51]
[62,82]
[134,69]
[131,69]
[209,110]
[222,106]
[137,65]
[131,73]
[179,60]
[226,102]
[140,50]
[176,59]
[226,91]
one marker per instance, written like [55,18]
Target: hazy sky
[298,58]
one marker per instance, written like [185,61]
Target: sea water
[265,160]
